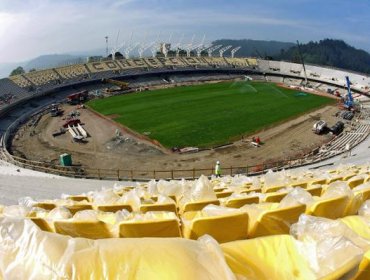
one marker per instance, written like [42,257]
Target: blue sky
[29,28]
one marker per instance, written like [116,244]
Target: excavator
[119,85]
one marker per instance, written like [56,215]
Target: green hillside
[335,53]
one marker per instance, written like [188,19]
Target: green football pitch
[209,114]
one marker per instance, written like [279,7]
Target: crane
[121,85]
[348,102]
[304,67]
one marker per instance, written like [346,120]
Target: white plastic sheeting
[296,196]
[29,253]
[328,244]
[365,209]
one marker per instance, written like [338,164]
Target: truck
[337,128]
[55,111]
[320,127]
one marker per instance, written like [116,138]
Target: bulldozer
[119,85]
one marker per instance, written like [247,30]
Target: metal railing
[144,175]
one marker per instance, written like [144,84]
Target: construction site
[98,146]
[97,142]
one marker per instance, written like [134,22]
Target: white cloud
[33,27]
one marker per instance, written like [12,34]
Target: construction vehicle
[348,100]
[320,127]
[78,97]
[55,111]
[75,133]
[119,85]
[71,122]
[337,128]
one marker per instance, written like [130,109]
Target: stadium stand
[239,62]
[274,221]
[274,66]
[153,62]
[196,224]
[274,79]
[357,133]
[159,225]
[194,61]
[263,65]
[288,232]
[104,69]
[171,61]
[42,77]
[20,80]
[9,92]
[72,71]
[103,66]
[216,61]
[252,61]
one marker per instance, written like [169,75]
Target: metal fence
[144,175]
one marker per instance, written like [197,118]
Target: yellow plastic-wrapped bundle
[29,253]
[272,257]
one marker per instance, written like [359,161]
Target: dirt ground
[104,150]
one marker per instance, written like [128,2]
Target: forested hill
[255,48]
[335,53]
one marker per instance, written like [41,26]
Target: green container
[65,160]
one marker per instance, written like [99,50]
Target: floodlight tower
[233,51]
[224,49]
[106,45]
[211,49]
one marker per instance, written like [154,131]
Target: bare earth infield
[283,141]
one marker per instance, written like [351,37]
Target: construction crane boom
[304,67]
[122,85]
[349,101]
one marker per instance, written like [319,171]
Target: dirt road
[105,151]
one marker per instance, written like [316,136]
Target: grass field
[209,114]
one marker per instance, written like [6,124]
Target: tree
[17,71]
[32,70]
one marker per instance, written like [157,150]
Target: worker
[348,149]
[218,169]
